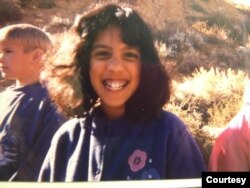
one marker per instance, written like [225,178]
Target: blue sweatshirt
[28,120]
[96,149]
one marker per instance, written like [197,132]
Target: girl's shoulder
[171,119]
[169,122]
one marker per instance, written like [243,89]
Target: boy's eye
[7,51]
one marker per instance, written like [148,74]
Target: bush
[45,3]
[235,31]
[10,11]
[208,98]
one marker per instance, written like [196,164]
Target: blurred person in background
[231,150]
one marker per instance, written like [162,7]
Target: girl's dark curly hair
[74,94]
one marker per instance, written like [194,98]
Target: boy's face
[14,62]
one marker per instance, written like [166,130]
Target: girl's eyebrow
[95,46]
[100,46]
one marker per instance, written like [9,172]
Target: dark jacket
[95,149]
[28,121]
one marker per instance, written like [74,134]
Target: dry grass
[214,31]
[215,95]
[208,98]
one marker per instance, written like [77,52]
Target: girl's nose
[115,65]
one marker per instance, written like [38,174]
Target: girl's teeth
[115,85]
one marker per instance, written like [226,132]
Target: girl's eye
[132,56]
[101,54]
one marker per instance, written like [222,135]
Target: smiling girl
[112,81]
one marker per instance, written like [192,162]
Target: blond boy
[28,119]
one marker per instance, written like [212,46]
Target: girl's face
[114,71]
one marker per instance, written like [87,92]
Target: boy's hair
[71,70]
[30,36]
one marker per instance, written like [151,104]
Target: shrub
[45,3]
[235,31]
[208,98]
[198,8]
[10,11]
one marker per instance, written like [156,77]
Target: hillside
[195,32]
[191,33]
[158,13]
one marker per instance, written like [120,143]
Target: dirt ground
[54,19]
